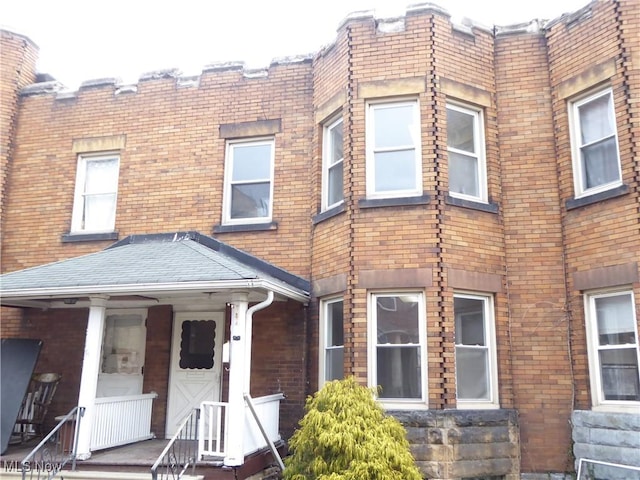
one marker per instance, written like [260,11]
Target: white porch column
[237,358]
[90,370]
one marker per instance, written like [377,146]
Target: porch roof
[151,265]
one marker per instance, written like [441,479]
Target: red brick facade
[535,253]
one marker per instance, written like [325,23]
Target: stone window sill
[596,198]
[332,212]
[394,202]
[88,237]
[484,207]
[246,227]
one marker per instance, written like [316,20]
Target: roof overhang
[201,269]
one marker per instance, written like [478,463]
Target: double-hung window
[397,348]
[612,335]
[465,146]
[331,340]
[476,366]
[594,139]
[94,206]
[394,166]
[249,182]
[332,165]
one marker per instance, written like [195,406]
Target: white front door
[196,364]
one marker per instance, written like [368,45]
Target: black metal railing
[181,453]
[55,450]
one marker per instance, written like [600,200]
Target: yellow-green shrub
[345,435]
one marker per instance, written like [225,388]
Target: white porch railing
[213,428]
[268,411]
[121,420]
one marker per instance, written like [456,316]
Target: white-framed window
[96,192]
[476,362]
[249,181]
[466,151]
[394,165]
[331,340]
[612,336]
[398,348]
[332,164]
[594,141]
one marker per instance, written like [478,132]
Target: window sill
[597,197]
[401,404]
[246,227]
[394,202]
[332,212]
[88,237]
[477,406]
[617,408]
[483,207]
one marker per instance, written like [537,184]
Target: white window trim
[591,321]
[228,171]
[78,201]
[479,147]
[323,347]
[326,157]
[370,150]
[372,360]
[574,125]
[490,339]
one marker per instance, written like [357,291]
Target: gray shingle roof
[155,259]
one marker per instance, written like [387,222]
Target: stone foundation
[464,444]
[606,437]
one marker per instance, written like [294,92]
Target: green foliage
[345,435]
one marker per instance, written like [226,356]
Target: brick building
[448,211]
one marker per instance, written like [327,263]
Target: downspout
[240,374]
[248,335]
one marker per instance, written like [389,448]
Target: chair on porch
[35,406]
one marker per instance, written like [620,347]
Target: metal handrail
[49,462]
[181,452]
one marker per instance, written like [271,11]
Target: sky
[82,40]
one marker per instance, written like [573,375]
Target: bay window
[465,146]
[596,160]
[332,165]
[397,347]
[476,366]
[612,336]
[394,167]
[331,340]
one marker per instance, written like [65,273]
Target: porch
[198,446]
[168,324]
[140,456]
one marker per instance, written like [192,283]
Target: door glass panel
[197,343]
[123,345]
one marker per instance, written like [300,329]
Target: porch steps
[95,475]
